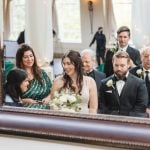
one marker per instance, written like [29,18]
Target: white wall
[85,27]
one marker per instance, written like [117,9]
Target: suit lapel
[126,86]
[115,91]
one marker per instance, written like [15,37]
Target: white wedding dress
[85,92]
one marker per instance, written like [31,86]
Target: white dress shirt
[120,84]
[123,49]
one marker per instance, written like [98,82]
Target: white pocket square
[109,91]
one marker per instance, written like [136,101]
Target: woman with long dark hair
[38,93]
[16,84]
[74,80]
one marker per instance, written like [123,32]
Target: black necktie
[147,78]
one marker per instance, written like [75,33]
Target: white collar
[146,70]
[124,48]
[90,70]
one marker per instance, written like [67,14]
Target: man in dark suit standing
[88,59]
[143,71]
[21,37]
[123,93]
[100,39]
[123,37]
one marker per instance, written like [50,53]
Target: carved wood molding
[83,129]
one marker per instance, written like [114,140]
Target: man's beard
[122,75]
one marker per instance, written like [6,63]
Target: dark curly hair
[75,59]
[14,79]
[19,56]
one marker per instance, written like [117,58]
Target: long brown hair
[75,59]
[19,56]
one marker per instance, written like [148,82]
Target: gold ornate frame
[106,130]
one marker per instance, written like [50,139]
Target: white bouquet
[66,101]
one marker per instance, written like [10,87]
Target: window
[17,18]
[68,12]
[123,12]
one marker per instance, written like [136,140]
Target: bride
[74,80]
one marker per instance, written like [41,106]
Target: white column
[38,30]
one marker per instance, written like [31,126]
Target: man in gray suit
[123,93]
[89,58]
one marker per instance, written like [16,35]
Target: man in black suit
[88,59]
[100,39]
[123,93]
[123,37]
[143,71]
[21,37]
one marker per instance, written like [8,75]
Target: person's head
[16,84]
[25,57]
[100,29]
[88,58]
[121,63]
[73,67]
[123,36]
[145,57]
[72,63]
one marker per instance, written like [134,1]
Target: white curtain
[1,23]
[38,30]
[109,20]
[141,23]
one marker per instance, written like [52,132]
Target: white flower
[139,72]
[71,98]
[63,98]
[109,83]
[66,100]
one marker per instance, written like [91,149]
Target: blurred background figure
[21,38]
[100,39]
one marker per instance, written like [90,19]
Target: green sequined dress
[38,91]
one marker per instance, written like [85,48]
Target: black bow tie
[91,74]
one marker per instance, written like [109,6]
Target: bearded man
[123,93]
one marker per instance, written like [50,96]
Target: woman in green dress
[38,93]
